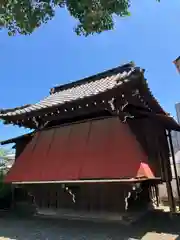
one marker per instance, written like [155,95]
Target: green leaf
[92,16]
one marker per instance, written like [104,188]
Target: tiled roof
[78,90]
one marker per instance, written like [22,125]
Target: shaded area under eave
[163,119]
[99,149]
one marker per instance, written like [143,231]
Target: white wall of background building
[176,142]
[176,135]
[177,107]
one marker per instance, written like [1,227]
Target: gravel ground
[49,229]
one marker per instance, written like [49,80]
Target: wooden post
[157,194]
[175,169]
[170,197]
[169,187]
[12,196]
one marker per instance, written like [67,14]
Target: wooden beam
[169,122]
[131,180]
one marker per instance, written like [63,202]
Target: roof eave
[16,139]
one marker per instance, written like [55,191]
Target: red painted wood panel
[68,152]
[113,151]
[40,158]
[21,168]
[99,149]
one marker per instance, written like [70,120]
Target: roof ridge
[120,69]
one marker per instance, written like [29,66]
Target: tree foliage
[93,16]
[4,157]
[5,189]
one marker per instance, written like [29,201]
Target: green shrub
[5,189]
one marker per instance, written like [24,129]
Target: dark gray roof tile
[79,91]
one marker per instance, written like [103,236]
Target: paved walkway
[46,229]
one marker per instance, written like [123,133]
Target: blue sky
[52,55]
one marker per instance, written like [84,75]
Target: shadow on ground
[49,229]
